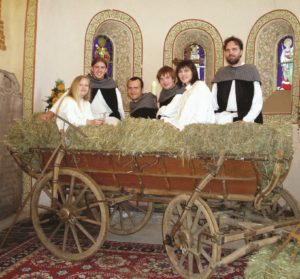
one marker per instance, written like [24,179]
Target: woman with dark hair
[105,96]
[195,105]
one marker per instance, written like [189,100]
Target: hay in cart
[140,136]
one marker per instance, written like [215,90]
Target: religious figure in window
[100,49]
[103,48]
[285,65]
[195,53]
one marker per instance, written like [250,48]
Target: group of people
[235,96]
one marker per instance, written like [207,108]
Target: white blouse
[195,105]
[72,112]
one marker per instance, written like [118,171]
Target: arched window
[196,53]
[103,48]
[285,54]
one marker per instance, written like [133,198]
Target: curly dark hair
[236,40]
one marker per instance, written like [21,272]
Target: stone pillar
[10,174]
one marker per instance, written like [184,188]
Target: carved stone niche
[275,102]
[122,40]
[202,38]
[10,174]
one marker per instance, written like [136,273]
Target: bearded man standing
[237,87]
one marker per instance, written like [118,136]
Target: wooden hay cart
[210,203]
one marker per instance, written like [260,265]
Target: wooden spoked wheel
[67,225]
[193,250]
[128,217]
[281,206]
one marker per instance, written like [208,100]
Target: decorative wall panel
[262,50]
[195,31]
[126,38]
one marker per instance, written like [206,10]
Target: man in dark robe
[237,87]
[142,104]
[105,96]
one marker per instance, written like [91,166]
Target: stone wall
[10,174]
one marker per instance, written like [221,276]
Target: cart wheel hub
[183,240]
[64,214]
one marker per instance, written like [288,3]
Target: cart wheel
[129,217]
[192,251]
[282,206]
[67,226]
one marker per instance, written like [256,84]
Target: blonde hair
[73,91]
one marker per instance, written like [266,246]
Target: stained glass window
[196,53]
[103,48]
[285,63]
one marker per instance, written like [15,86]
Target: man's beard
[233,61]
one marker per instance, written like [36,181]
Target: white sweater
[69,109]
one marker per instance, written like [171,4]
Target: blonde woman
[75,106]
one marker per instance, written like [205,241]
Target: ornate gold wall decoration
[124,18]
[262,50]
[29,57]
[200,31]
[28,72]
[2,37]
[202,38]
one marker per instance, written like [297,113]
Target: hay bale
[142,136]
[261,267]
[239,139]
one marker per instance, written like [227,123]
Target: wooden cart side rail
[168,175]
[253,245]
[24,167]
[246,249]
[274,181]
[222,186]
[131,166]
[164,175]
[203,156]
[251,233]
[160,195]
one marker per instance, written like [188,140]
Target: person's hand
[95,122]
[169,124]
[47,115]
